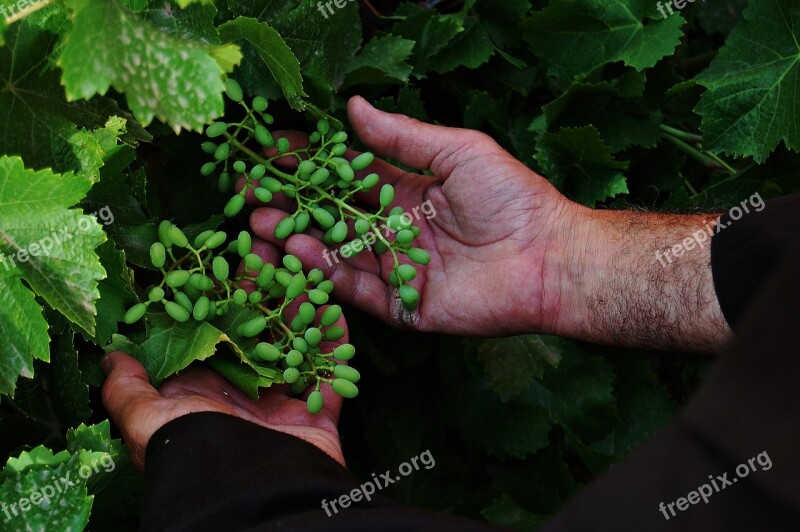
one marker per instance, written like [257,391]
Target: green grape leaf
[512,363]
[579,163]
[471,48]
[70,394]
[46,496]
[194,22]
[51,247]
[751,103]
[382,60]
[172,79]
[116,293]
[186,3]
[244,376]
[431,32]
[505,512]
[36,121]
[574,37]
[273,50]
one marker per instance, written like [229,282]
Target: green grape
[297,324]
[331,315]
[342,184]
[339,137]
[307,313]
[263,136]
[339,232]
[183,300]
[394,279]
[370,181]
[283,145]
[240,296]
[191,291]
[266,275]
[334,333]
[362,226]
[305,169]
[347,373]
[208,168]
[409,296]
[271,184]
[405,237]
[344,352]
[299,387]
[418,255]
[258,171]
[244,243]
[252,261]
[224,182]
[313,336]
[239,166]
[344,388]
[362,161]
[387,195]
[200,282]
[200,239]
[345,172]
[297,286]
[318,297]
[158,255]
[323,126]
[255,297]
[339,149]
[380,248]
[221,268]
[319,176]
[325,286]
[294,358]
[234,206]
[292,263]
[208,147]
[253,327]
[285,227]
[290,375]
[301,222]
[222,152]
[314,137]
[396,211]
[407,272]
[177,278]
[177,237]
[283,277]
[216,129]
[201,308]
[267,352]
[315,276]
[176,312]
[233,90]
[263,195]
[300,344]
[314,402]
[135,313]
[216,240]
[323,218]
[260,104]
[156,294]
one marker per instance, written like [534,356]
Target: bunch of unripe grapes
[323,187]
[200,283]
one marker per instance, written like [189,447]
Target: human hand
[139,410]
[497,240]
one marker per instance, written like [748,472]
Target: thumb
[126,385]
[407,140]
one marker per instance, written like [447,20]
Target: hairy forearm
[639,280]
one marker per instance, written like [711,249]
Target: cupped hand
[139,410]
[495,222]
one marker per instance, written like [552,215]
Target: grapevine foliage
[138,134]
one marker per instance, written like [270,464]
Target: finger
[297,141]
[126,385]
[409,141]
[362,289]
[268,253]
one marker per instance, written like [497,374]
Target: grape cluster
[322,186]
[199,284]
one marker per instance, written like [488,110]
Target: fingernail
[107,362]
